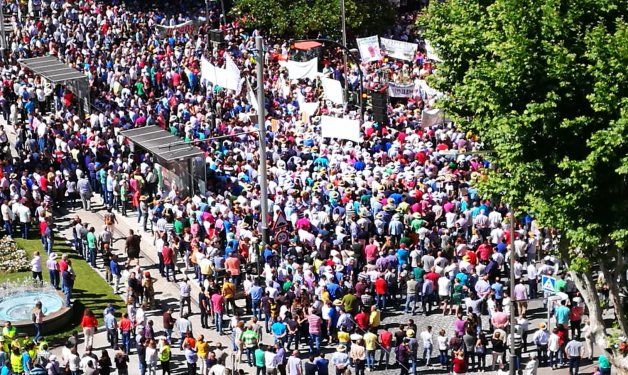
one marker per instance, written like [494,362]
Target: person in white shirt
[7,218]
[428,344]
[443,347]
[532,276]
[540,339]
[444,287]
[36,267]
[24,214]
[553,348]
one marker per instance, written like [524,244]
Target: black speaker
[379,99]
[380,107]
[216,36]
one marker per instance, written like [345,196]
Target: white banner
[431,53]
[369,48]
[333,90]
[398,49]
[397,90]
[302,70]
[188,27]
[219,76]
[333,127]
[308,108]
[431,117]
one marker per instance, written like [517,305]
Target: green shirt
[418,273]
[603,361]
[560,285]
[416,224]
[259,357]
[249,337]
[178,226]
[350,302]
[91,240]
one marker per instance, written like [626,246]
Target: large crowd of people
[392,223]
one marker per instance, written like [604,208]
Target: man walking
[574,353]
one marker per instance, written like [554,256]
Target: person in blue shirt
[402,256]
[279,330]
[256,292]
[322,364]
[332,288]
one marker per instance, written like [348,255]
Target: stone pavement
[167,294]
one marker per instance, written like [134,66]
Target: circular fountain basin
[18,307]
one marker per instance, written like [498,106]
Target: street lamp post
[511,368]
[259,43]
[344,44]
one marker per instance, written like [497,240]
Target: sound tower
[216,36]
[380,104]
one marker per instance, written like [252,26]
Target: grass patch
[90,289]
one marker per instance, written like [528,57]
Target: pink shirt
[217,303]
[314,322]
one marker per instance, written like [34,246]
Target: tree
[309,18]
[543,83]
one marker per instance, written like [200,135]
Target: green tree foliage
[544,84]
[308,18]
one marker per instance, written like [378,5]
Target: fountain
[18,298]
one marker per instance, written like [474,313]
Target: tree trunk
[586,285]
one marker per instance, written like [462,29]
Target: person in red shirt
[381,289]
[433,276]
[484,251]
[89,323]
[232,264]
[125,328]
[385,339]
[168,255]
[362,319]
[459,363]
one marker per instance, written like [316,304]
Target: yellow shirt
[344,337]
[375,319]
[202,348]
[228,290]
[370,341]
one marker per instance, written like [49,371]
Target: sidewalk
[166,292]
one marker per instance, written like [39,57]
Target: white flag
[302,70]
[333,90]
[342,128]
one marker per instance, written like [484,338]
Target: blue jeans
[442,358]
[46,241]
[54,278]
[67,291]
[91,256]
[37,331]
[126,341]
[249,355]
[427,354]
[25,228]
[8,228]
[315,340]
[380,300]
[218,321]
[257,311]
[370,358]
[410,299]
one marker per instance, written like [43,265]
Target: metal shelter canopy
[52,69]
[162,144]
